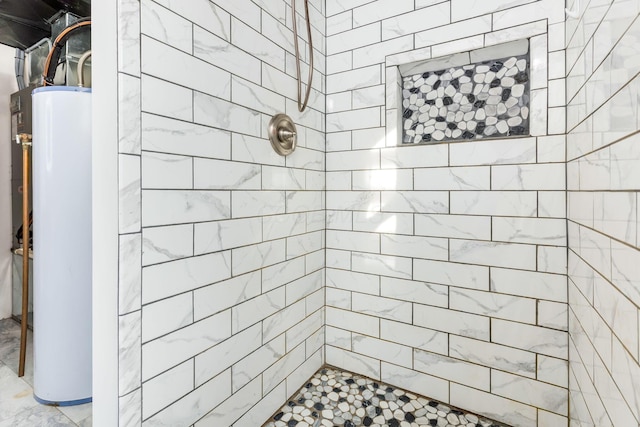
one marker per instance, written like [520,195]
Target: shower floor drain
[333,397]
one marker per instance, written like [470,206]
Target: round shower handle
[282,134]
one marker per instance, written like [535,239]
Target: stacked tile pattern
[446,263]
[603,152]
[474,101]
[221,240]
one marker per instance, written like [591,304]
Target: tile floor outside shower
[335,398]
[18,408]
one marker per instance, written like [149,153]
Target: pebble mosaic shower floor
[334,398]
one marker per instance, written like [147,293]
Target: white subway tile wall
[446,263]
[222,241]
[445,268]
[602,182]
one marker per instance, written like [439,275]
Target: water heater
[62,248]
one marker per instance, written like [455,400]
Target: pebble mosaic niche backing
[487,99]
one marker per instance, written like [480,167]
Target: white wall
[603,152]
[8,85]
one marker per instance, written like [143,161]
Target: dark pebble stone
[455,83]
[447,100]
[309,385]
[430,101]
[456,412]
[301,400]
[494,83]
[506,93]
[407,114]
[319,406]
[292,423]
[348,423]
[342,399]
[336,389]
[425,75]
[292,404]
[278,416]
[414,126]
[439,73]
[324,393]
[479,129]
[471,98]
[467,135]
[409,417]
[394,423]
[378,410]
[349,381]
[426,137]
[521,77]
[440,119]
[479,104]
[324,371]
[432,403]
[437,84]
[314,414]
[468,73]
[367,421]
[414,90]
[388,390]
[452,126]
[517,130]
[496,66]
[361,388]
[433,422]
[405,399]
[381,397]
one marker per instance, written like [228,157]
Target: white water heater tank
[62,244]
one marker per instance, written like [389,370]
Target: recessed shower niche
[478,94]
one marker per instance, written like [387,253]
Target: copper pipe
[26,143]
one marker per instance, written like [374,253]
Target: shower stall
[496,272]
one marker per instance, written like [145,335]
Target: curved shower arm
[302,104]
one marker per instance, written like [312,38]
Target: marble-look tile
[160,244]
[216,112]
[416,21]
[129,193]
[283,320]
[451,321]
[353,281]
[164,171]
[458,226]
[552,370]
[166,388]
[130,407]
[353,200]
[220,235]
[214,298]
[500,203]
[166,207]
[493,355]
[257,256]
[493,305]
[231,409]
[177,347]
[357,322]
[414,246]
[129,273]
[166,316]
[527,337]
[129,354]
[384,308]
[257,203]
[196,404]
[170,64]
[508,151]
[257,309]
[448,273]
[216,359]
[354,241]
[129,37]
[382,350]
[167,135]
[205,14]
[165,26]
[509,255]
[129,122]
[255,363]
[384,265]
[304,201]
[541,231]
[175,277]
[452,369]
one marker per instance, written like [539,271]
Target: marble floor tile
[18,408]
[335,398]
